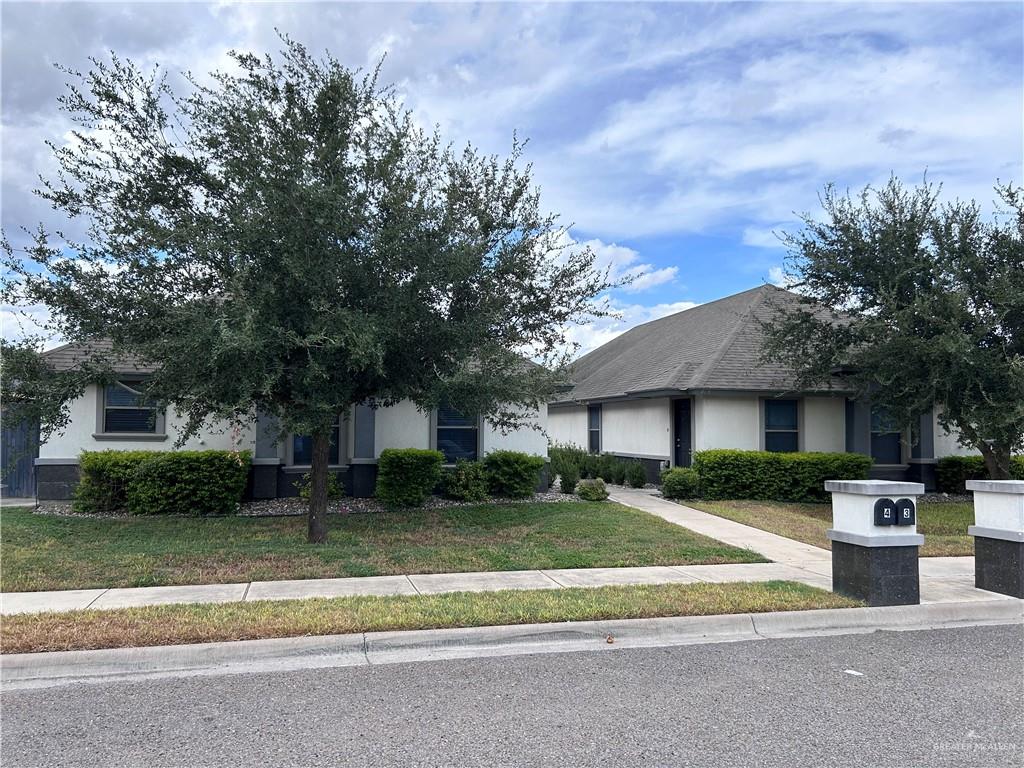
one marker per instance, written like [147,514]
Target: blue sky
[675,137]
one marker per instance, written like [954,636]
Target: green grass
[174,624]
[43,552]
[944,524]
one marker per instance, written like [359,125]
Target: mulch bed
[294,506]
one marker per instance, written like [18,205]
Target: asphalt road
[934,698]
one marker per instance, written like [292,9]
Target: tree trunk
[997,460]
[317,529]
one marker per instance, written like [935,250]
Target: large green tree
[285,238]
[916,303]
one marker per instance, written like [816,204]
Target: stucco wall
[726,422]
[568,425]
[527,439]
[946,442]
[637,428]
[78,435]
[824,424]
[401,426]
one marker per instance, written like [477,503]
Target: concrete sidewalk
[421,584]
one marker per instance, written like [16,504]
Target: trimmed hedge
[513,474]
[406,477]
[680,483]
[768,476]
[466,481]
[103,483]
[952,472]
[194,483]
[592,490]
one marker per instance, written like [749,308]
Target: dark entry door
[19,445]
[681,429]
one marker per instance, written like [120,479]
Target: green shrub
[406,477]
[569,479]
[952,472]
[195,483]
[513,474]
[636,475]
[562,456]
[335,490]
[466,481]
[763,475]
[680,483]
[592,490]
[104,477]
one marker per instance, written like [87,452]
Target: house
[117,416]
[694,380]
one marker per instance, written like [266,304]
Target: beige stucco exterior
[637,428]
[727,422]
[399,426]
[823,424]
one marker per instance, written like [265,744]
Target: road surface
[927,698]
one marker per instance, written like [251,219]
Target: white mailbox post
[875,540]
[998,533]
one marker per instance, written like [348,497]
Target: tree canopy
[285,238]
[917,303]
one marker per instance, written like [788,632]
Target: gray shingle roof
[70,356]
[712,346]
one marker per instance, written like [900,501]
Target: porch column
[998,533]
[875,541]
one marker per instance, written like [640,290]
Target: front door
[681,429]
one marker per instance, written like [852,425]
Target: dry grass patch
[944,524]
[178,624]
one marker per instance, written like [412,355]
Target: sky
[677,139]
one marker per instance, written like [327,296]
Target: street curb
[42,670]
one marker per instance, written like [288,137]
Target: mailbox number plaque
[900,512]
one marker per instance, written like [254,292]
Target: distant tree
[284,238]
[917,303]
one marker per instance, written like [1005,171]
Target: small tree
[285,239]
[916,304]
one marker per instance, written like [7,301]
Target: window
[302,448]
[781,430]
[126,409]
[457,435]
[886,438]
[594,428]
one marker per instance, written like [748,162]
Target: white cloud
[760,237]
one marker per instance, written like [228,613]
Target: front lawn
[175,624]
[944,524]
[45,552]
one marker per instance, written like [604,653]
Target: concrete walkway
[943,579]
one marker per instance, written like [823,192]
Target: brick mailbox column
[998,533]
[875,540]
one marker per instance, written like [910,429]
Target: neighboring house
[117,416]
[694,380]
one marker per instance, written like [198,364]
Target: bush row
[568,460]
[195,483]
[952,472]
[769,476]
[406,477]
